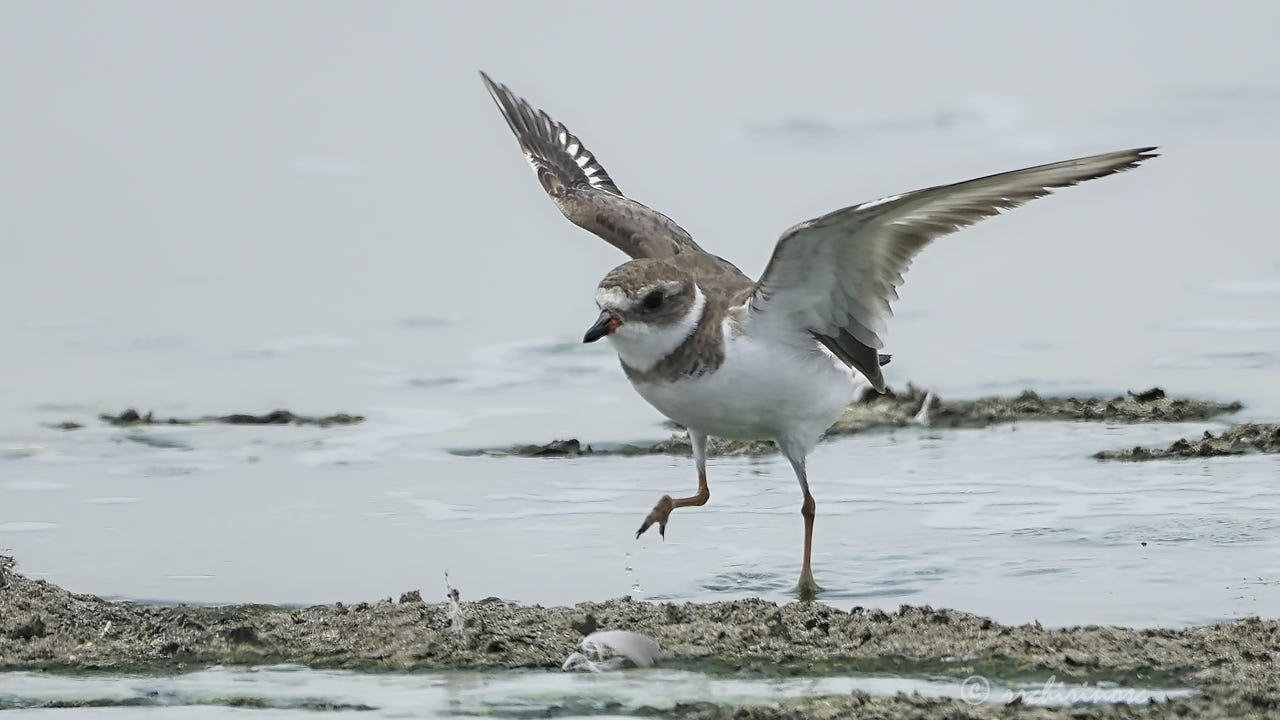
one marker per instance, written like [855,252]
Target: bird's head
[647,308]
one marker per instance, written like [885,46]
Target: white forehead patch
[612,298]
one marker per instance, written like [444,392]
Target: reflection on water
[1247,289]
[1231,108]
[510,694]
[989,124]
[299,345]
[27,527]
[1243,360]
[524,364]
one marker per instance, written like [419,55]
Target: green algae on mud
[1235,440]
[917,407]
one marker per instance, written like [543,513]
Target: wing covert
[580,186]
[836,275]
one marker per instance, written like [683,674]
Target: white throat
[641,345]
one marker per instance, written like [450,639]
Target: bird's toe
[659,515]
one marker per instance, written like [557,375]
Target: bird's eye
[653,300]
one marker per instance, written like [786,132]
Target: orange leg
[663,509]
[807,588]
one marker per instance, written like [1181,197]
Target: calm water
[234,207]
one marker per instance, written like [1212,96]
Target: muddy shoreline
[917,407]
[132,418]
[1235,665]
[1235,440]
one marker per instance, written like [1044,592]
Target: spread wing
[582,189]
[834,276]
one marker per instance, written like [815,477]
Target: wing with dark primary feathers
[582,189]
[834,276]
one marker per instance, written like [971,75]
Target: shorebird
[777,358]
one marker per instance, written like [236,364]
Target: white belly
[763,390]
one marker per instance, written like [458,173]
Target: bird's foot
[807,589]
[659,515]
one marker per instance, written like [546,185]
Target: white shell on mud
[606,650]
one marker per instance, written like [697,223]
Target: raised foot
[659,515]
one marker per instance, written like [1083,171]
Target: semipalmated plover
[778,358]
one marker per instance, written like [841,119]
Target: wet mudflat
[726,653]
[1231,665]
[132,418]
[1235,440]
[1005,520]
[858,654]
